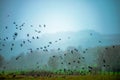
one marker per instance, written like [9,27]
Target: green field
[60,77]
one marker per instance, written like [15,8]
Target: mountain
[84,39]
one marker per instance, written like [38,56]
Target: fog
[54,35]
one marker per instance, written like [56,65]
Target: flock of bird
[44,48]
[29,38]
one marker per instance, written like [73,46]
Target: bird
[12,44]
[21,45]
[44,25]
[68,37]
[33,37]
[83,57]
[59,38]
[78,61]
[0,49]
[29,41]
[6,37]
[35,30]
[56,41]
[20,29]
[39,31]
[37,37]
[37,63]
[84,52]
[72,51]
[14,76]
[16,27]
[106,48]
[58,49]
[3,44]
[104,65]
[104,61]
[6,27]
[50,42]
[14,22]
[76,50]
[13,38]
[30,50]
[54,56]
[37,48]
[113,46]
[91,34]
[64,54]
[46,50]
[89,67]
[61,62]
[86,49]
[39,25]
[11,48]
[74,61]
[83,68]
[99,41]
[15,34]
[45,47]
[27,35]
[8,15]
[69,63]
[41,48]
[23,24]
[48,45]
[24,42]
[17,57]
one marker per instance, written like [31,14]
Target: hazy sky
[62,15]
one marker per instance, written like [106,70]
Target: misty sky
[103,16]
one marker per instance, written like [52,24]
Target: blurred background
[36,33]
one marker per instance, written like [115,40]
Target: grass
[52,76]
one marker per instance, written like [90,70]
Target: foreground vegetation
[33,75]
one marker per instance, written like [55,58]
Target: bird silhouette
[33,37]
[37,37]
[44,25]
[11,48]
[14,22]
[17,57]
[6,27]
[50,42]
[27,35]
[39,25]
[21,45]
[6,37]
[12,44]
[91,34]
[31,25]
[59,38]
[23,42]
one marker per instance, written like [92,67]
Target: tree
[53,62]
[1,60]
[109,59]
[73,59]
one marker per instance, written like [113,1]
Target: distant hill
[84,39]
